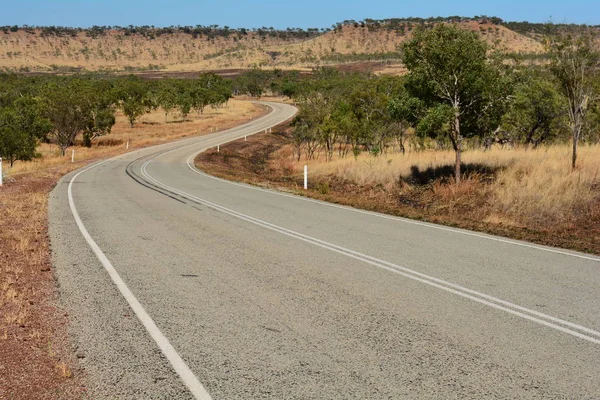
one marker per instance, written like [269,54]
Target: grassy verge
[36,361]
[524,194]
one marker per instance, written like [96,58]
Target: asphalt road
[184,285]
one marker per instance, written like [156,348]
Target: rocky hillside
[178,49]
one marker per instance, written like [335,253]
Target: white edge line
[180,367]
[406,272]
[391,217]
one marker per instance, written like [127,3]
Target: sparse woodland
[60,110]
[463,138]
[460,96]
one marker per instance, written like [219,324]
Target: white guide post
[306,177]
[218,148]
[245,138]
[1,171]
[127,147]
[73,155]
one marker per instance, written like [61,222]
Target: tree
[101,99]
[21,127]
[167,96]
[574,63]
[76,105]
[212,89]
[450,73]
[369,108]
[135,98]
[406,111]
[537,112]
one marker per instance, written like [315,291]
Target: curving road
[181,285]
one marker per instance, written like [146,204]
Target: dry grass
[35,358]
[530,186]
[522,193]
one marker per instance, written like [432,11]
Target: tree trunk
[457,147]
[575,143]
[458,159]
[576,133]
[529,139]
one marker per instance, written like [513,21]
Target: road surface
[181,285]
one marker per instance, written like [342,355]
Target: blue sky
[282,13]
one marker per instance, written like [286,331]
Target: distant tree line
[400,25]
[405,25]
[152,32]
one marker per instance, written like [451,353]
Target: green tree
[167,96]
[76,105]
[575,63]
[21,127]
[449,71]
[537,112]
[135,98]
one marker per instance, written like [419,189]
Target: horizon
[269,13]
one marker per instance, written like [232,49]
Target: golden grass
[530,186]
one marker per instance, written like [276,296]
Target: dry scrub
[521,193]
[36,361]
[524,186]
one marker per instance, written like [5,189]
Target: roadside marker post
[218,148]
[127,147]
[306,177]
[245,138]
[73,155]
[1,171]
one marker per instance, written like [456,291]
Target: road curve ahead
[181,285]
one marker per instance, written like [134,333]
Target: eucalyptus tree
[575,63]
[450,73]
[135,98]
[537,113]
[77,105]
[22,125]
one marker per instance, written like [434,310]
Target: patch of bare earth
[268,161]
[36,359]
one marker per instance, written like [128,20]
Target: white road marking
[180,367]
[499,304]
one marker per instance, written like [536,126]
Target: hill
[48,49]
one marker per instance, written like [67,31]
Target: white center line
[564,326]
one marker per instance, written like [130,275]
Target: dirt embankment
[36,358]
[426,194]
